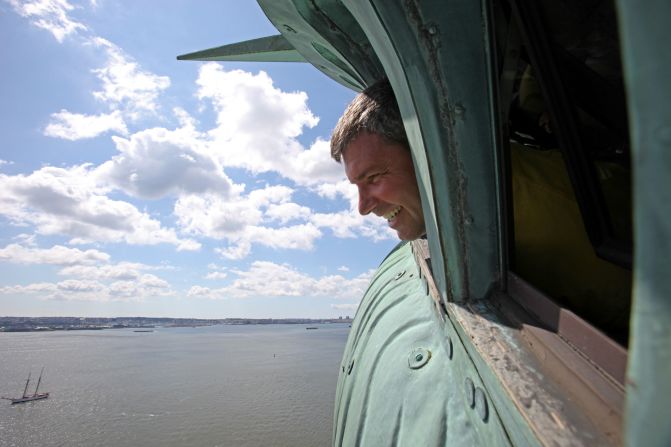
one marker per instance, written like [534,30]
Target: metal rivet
[418,358]
[399,274]
[432,30]
[470,392]
[481,404]
[349,368]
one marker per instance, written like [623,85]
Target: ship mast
[26,388]
[38,382]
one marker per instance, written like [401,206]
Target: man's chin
[410,236]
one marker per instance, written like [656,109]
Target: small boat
[311,327]
[28,397]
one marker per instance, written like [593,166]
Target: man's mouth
[393,213]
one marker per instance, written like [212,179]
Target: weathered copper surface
[402,378]
[451,358]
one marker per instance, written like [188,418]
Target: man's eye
[374,178]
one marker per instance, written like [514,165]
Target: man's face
[384,174]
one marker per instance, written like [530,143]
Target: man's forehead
[360,158]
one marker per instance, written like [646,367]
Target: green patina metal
[414,376]
[645,26]
[265,49]
[447,115]
[401,370]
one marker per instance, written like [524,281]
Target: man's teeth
[389,216]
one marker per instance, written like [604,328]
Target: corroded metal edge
[420,250]
[565,399]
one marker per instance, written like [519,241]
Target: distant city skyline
[136,184]
[42,324]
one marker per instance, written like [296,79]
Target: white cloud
[60,201]
[296,237]
[38,288]
[239,250]
[216,275]
[26,239]
[200,292]
[57,254]
[125,84]
[249,103]
[268,279]
[157,162]
[240,220]
[257,126]
[74,126]
[286,212]
[91,278]
[350,224]
[211,216]
[270,194]
[68,290]
[80,286]
[314,166]
[343,268]
[257,130]
[216,271]
[124,281]
[188,245]
[51,15]
[121,271]
[147,286]
[342,188]
[127,89]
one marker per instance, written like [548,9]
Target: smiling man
[552,249]
[371,142]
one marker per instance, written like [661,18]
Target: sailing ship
[29,397]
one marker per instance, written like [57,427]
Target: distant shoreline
[49,324]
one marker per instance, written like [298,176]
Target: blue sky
[133,184]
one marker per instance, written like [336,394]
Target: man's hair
[374,110]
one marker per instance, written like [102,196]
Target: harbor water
[226,385]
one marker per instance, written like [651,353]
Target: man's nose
[367,203]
